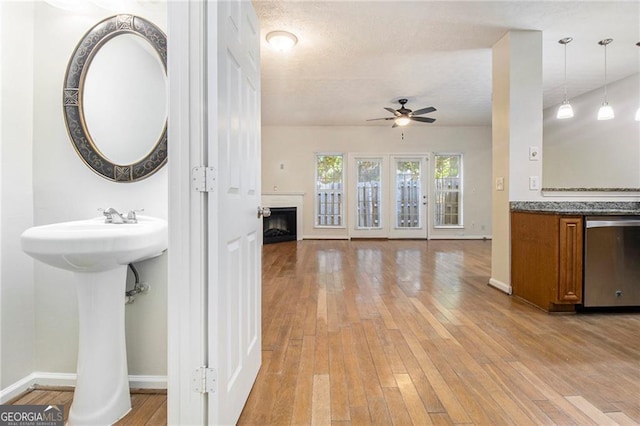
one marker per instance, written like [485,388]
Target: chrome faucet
[112,216]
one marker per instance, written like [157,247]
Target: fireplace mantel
[287,199]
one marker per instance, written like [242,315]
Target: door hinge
[203,179]
[204,380]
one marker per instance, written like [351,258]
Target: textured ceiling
[355,57]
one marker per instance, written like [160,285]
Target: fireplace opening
[280,226]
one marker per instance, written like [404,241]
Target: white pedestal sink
[98,254]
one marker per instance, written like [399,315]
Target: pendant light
[605,112]
[565,110]
[638,111]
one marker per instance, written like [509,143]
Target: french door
[389,195]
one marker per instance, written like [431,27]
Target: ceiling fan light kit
[403,116]
[281,40]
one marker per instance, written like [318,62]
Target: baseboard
[506,288]
[43,378]
[16,388]
[325,237]
[459,237]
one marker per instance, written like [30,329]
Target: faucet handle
[131,215]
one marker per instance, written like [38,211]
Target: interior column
[517,132]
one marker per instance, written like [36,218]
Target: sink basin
[93,245]
[97,254]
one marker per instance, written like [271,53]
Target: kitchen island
[548,249]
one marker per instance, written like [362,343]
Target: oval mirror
[115,98]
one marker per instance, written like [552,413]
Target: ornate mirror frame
[72,102]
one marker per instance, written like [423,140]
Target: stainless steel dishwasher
[612,261]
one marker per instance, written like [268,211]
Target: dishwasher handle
[612,223]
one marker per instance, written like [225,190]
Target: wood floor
[148,407]
[409,332]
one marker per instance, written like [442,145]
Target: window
[448,190]
[329,190]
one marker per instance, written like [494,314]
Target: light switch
[534,183]
[500,184]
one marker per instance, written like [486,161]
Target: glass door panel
[369,193]
[409,197]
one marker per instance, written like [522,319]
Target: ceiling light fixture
[403,120]
[638,111]
[565,110]
[281,40]
[605,112]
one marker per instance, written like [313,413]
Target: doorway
[389,195]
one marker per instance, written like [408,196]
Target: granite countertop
[604,208]
[590,189]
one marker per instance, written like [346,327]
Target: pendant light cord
[605,74]
[565,72]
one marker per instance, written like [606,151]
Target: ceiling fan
[402,116]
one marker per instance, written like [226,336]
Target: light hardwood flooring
[148,407]
[409,332]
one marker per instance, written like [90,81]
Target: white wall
[574,148]
[66,189]
[17,315]
[295,148]
[517,118]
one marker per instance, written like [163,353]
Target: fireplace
[280,226]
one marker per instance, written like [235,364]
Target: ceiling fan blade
[386,118]
[424,111]
[423,119]
[392,111]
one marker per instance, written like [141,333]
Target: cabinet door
[570,271]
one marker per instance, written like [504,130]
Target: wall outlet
[534,183]
[534,153]
[500,184]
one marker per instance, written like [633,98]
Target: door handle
[264,212]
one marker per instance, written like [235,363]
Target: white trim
[592,195]
[186,64]
[459,237]
[44,378]
[506,288]
[16,388]
[325,237]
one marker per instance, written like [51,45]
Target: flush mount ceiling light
[281,40]
[565,110]
[605,112]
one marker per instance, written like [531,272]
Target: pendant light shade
[565,110]
[606,111]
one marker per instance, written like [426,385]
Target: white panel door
[235,229]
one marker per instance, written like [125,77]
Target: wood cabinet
[546,259]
